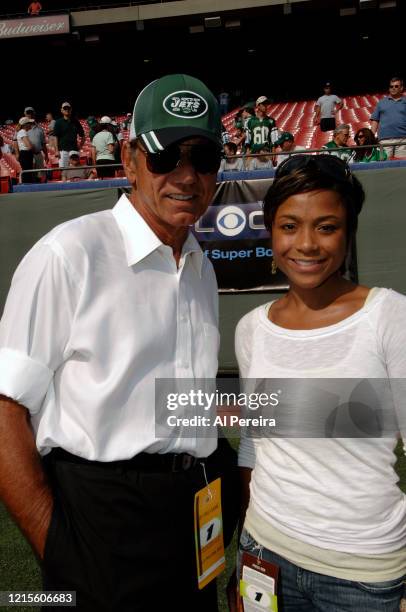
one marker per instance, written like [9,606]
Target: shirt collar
[192,248]
[139,239]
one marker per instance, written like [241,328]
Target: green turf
[19,570]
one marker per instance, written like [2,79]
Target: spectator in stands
[262,129]
[118,145]
[103,147]
[4,148]
[263,161]
[126,123]
[247,113]
[37,137]
[286,143]
[225,136]
[238,121]
[231,162]
[238,138]
[389,119]
[67,131]
[93,125]
[25,151]
[326,108]
[50,129]
[224,100]
[365,137]
[34,9]
[76,172]
[338,146]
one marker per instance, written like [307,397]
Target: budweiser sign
[34,26]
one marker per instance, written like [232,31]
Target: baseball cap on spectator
[29,109]
[66,104]
[74,154]
[105,119]
[284,137]
[25,120]
[172,108]
[261,100]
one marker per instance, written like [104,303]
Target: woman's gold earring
[274,267]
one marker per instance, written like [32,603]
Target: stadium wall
[164,10]
[381,244]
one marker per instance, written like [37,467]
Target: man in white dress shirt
[97,310]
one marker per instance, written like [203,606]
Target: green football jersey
[342,152]
[260,130]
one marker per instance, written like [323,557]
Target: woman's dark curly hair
[305,173]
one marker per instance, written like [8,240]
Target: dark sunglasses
[329,164]
[205,158]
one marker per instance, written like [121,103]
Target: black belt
[167,462]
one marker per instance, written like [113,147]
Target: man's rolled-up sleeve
[36,326]
[23,379]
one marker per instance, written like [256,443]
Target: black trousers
[327,124]
[109,172]
[123,537]
[26,159]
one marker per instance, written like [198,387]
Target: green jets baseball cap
[172,108]
[284,137]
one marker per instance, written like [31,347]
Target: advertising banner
[232,234]
[34,26]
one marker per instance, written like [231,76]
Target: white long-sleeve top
[339,494]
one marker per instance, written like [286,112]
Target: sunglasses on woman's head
[205,158]
[330,164]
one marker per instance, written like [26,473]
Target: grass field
[19,570]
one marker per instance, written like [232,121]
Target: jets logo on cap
[185,105]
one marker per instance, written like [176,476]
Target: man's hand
[374,126]
[23,485]
[233,597]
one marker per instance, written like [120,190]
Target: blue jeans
[301,590]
